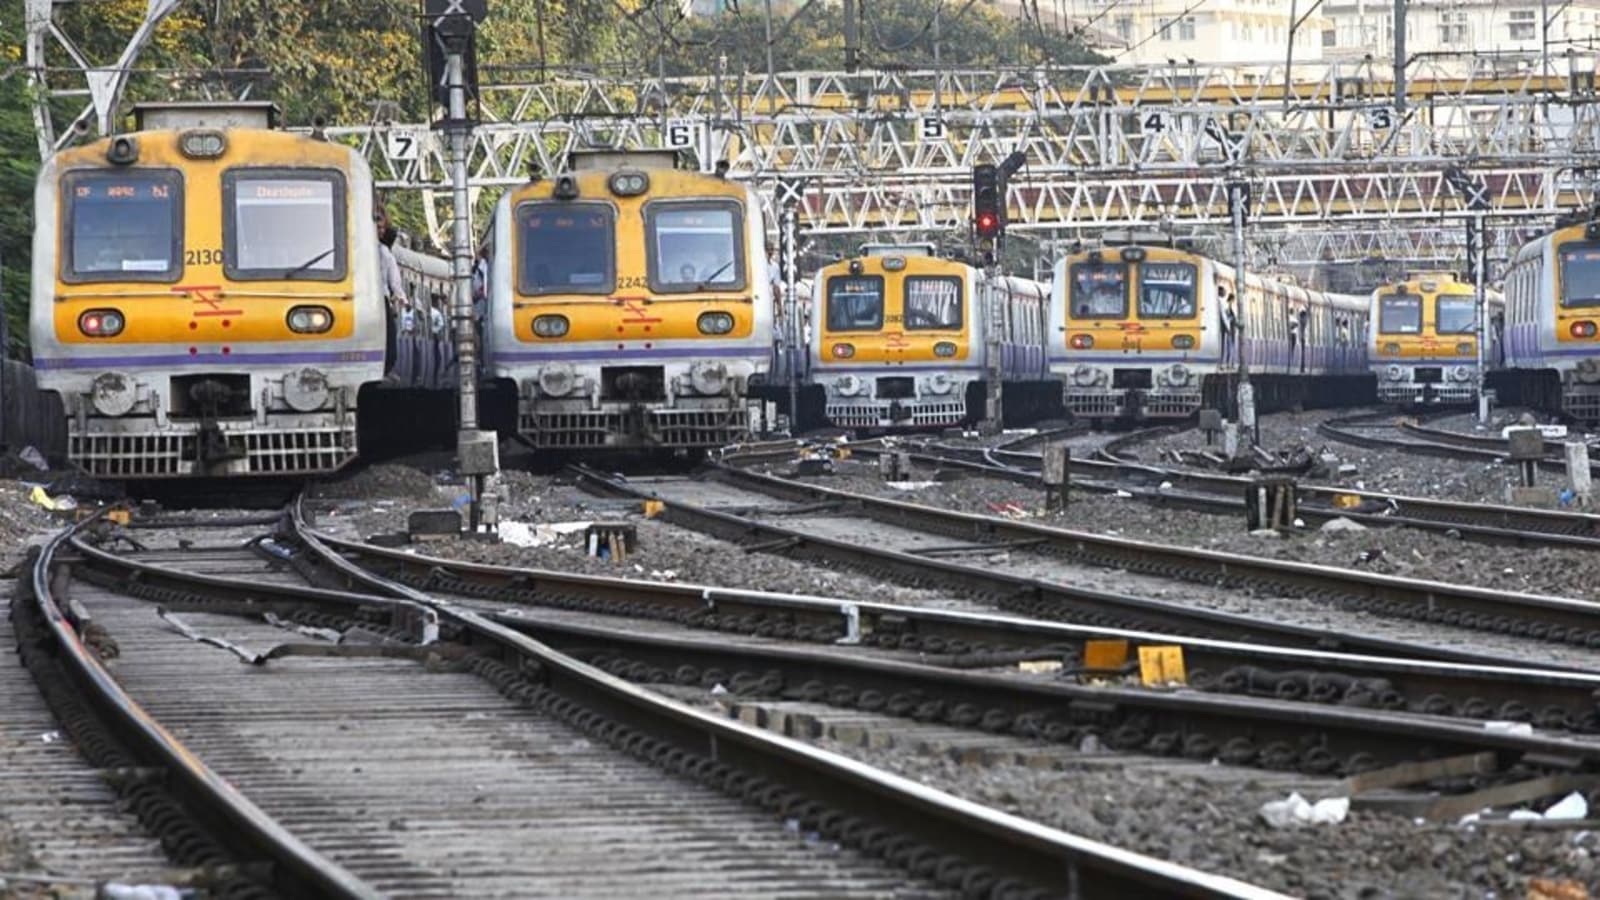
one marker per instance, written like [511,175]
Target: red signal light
[1583,329]
[988,224]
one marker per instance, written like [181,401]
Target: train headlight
[112,394]
[1588,371]
[1584,329]
[1391,349]
[1081,342]
[557,380]
[629,184]
[944,348]
[310,319]
[843,351]
[1177,376]
[101,323]
[305,390]
[1461,373]
[940,383]
[551,326]
[1084,376]
[714,323]
[202,144]
[708,378]
[1183,341]
[849,386]
[1464,348]
[1392,373]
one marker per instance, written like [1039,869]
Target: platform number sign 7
[401,145]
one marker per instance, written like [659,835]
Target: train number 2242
[202,256]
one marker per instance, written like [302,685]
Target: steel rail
[1535,615]
[1319,739]
[1058,861]
[1224,494]
[243,828]
[1488,686]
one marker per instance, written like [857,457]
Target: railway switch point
[1270,503]
[1055,473]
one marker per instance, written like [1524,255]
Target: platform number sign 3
[401,145]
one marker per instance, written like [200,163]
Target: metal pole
[461,268]
[771,72]
[852,39]
[1544,38]
[1400,55]
[791,310]
[1247,392]
[1480,277]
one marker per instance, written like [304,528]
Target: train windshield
[1400,314]
[283,225]
[123,226]
[855,303]
[1099,290]
[1166,290]
[696,247]
[932,303]
[1457,315]
[1580,275]
[565,248]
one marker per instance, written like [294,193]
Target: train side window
[565,248]
[122,225]
[1580,275]
[695,245]
[932,303]
[1166,290]
[855,303]
[281,224]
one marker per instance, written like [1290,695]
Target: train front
[897,345]
[1424,349]
[631,306]
[1129,341]
[205,297]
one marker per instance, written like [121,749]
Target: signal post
[989,208]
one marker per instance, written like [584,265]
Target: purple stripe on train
[333,357]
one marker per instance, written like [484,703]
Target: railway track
[1377,430]
[1469,685]
[1224,495]
[389,763]
[1521,615]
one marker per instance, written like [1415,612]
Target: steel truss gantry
[1338,168]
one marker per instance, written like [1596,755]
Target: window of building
[1186,28]
[1523,24]
[1453,28]
[1244,32]
[1125,27]
[1330,37]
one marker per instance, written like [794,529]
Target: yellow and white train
[1423,347]
[206,299]
[1551,328]
[630,305]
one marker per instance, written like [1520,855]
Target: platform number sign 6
[402,145]
[680,135]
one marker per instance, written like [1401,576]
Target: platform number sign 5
[931,127]
[401,145]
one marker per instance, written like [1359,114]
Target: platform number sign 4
[1155,122]
[401,145]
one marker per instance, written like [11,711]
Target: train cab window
[695,246]
[1166,290]
[125,225]
[284,224]
[1580,274]
[1099,290]
[1400,314]
[932,303]
[855,303]
[565,248]
[1457,315]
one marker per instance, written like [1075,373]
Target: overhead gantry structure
[1339,167]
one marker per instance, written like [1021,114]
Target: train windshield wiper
[705,285]
[290,273]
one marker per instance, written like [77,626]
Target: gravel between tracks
[1404,552]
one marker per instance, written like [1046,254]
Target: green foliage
[19,164]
